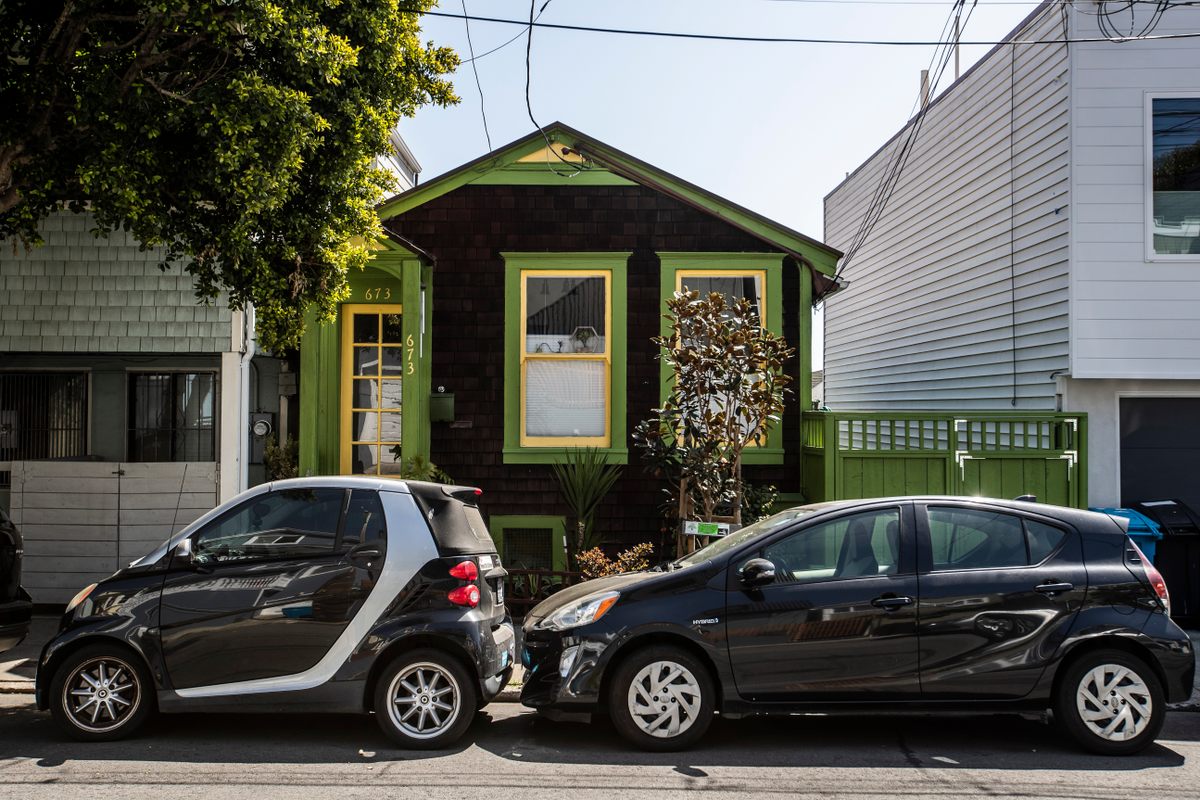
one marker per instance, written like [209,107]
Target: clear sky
[773,127]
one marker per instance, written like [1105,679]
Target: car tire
[425,700]
[101,693]
[669,681]
[1111,703]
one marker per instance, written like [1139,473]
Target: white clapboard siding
[81,520]
[936,315]
[1131,318]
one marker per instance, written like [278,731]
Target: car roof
[342,482]
[1070,515]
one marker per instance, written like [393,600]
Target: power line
[478,85]
[529,103]
[716,37]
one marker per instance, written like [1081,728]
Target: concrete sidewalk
[17,666]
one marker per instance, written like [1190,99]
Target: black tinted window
[364,519]
[295,522]
[1043,540]
[970,539]
[858,546]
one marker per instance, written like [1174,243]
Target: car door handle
[889,603]
[1054,588]
[365,552]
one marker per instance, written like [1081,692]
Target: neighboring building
[508,316]
[119,400]
[1041,249]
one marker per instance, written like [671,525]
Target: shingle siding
[936,315]
[79,293]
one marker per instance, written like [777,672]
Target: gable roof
[577,148]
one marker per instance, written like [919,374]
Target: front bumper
[563,669]
[15,619]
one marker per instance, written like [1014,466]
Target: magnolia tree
[727,388]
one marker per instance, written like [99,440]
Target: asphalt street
[512,752]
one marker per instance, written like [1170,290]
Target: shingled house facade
[508,316]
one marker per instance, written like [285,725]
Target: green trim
[514,263]
[772,263]
[498,524]
[804,346]
[822,256]
[399,273]
[541,175]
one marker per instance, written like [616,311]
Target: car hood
[612,583]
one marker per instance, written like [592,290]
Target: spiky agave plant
[584,478]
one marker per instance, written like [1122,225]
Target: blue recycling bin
[1143,530]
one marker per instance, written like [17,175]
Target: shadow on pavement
[1007,743]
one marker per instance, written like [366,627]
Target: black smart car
[902,604]
[315,594]
[16,607]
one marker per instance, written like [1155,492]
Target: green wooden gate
[994,454]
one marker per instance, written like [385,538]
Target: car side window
[963,538]
[855,546]
[364,519]
[284,524]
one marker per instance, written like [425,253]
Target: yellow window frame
[605,357]
[345,444]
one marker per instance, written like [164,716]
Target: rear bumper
[498,651]
[15,618]
[1176,657]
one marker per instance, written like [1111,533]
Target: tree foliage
[727,388]
[238,137]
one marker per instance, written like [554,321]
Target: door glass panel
[393,329]
[366,328]
[364,459]
[365,426]
[565,315]
[389,427]
[366,361]
[393,361]
[564,397]
[365,394]
[964,538]
[285,524]
[391,394]
[858,546]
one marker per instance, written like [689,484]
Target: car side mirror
[185,553]
[757,572]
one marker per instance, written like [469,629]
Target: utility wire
[529,103]
[714,37]
[478,85]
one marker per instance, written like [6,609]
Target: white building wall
[1131,317]
[937,313]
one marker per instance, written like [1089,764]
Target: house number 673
[409,349]
[378,293]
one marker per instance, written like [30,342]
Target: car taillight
[465,571]
[1156,579]
[465,596]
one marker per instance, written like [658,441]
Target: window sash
[604,358]
[1159,226]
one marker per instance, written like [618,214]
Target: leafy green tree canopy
[236,135]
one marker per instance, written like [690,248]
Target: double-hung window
[565,354]
[756,277]
[1173,209]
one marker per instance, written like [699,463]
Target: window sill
[762,455]
[550,455]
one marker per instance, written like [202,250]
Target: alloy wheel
[101,694]
[1114,702]
[664,699]
[424,700]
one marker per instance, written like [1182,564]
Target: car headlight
[79,598]
[584,611]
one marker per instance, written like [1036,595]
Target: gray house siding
[82,294]
[958,298]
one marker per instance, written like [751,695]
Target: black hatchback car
[316,594]
[902,604]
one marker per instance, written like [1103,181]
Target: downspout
[243,415]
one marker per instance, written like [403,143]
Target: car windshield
[739,537]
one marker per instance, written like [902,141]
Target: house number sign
[377,293]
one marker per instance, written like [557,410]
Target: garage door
[1160,449]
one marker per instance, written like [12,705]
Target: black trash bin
[1178,557]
